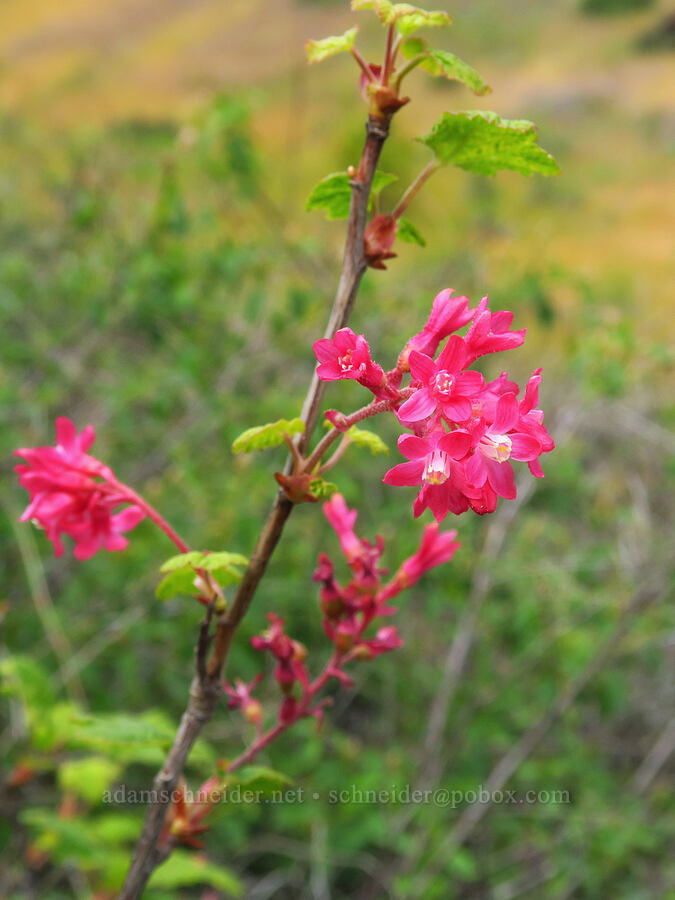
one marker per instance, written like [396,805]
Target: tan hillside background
[75,64]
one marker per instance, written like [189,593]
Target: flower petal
[456,444]
[469,383]
[405,474]
[412,446]
[453,354]
[506,415]
[524,447]
[422,367]
[417,407]
[500,476]
[457,409]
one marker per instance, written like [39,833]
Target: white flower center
[443,383]
[496,446]
[437,468]
[345,361]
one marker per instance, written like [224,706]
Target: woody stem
[205,692]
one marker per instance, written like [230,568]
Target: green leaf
[261,437]
[25,678]
[222,559]
[322,489]
[182,571]
[107,732]
[184,868]
[408,232]
[65,840]
[259,778]
[316,51]
[179,582]
[455,69]
[333,193]
[363,438]
[407,18]
[484,143]
[88,778]
[181,561]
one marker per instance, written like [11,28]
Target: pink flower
[67,497]
[490,333]
[435,464]
[347,355]
[431,458]
[448,314]
[496,444]
[289,654]
[444,387]
[436,548]
[240,698]
[361,555]
[531,421]
[386,639]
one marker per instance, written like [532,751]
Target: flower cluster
[348,611]
[75,494]
[465,431]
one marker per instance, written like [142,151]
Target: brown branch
[205,691]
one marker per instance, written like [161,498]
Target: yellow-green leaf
[316,51]
[322,489]
[89,777]
[364,438]
[261,437]
[181,561]
[455,69]
[406,17]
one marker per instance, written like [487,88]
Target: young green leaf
[363,438]
[409,233]
[406,17]
[181,581]
[316,51]
[321,489]
[334,192]
[261,437]
[484,143]
[181,561]
[455,69]
[222,560]
[181,572]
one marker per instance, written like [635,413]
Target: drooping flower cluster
[75,494]
[348,612]
[465,431]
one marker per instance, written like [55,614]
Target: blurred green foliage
[161,280]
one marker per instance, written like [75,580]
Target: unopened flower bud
[252,711]
[362,651]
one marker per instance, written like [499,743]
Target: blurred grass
[160,278]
